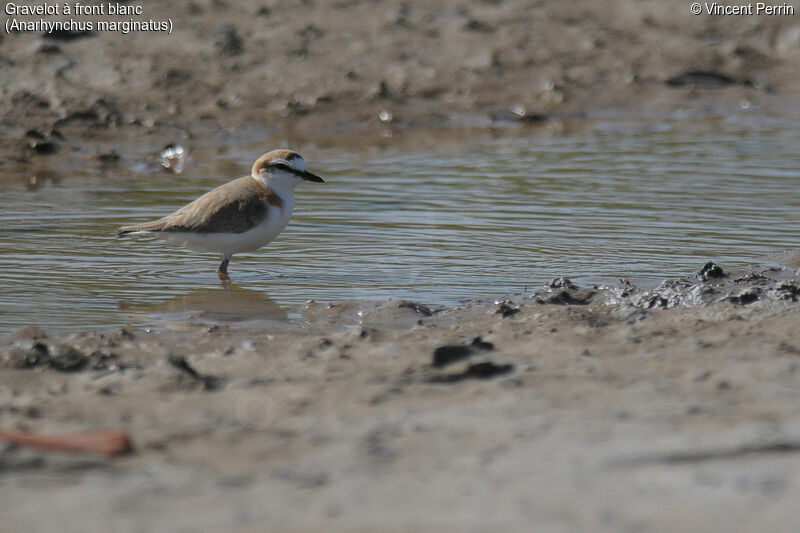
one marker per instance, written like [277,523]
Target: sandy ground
[575,409]
[596,409]
[330,71]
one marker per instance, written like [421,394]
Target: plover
[240,216]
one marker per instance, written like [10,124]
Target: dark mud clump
[710,285]
[711,270]
[451,353]
[562,291]
[705,78]
[208,382]
[484,370]
[505,309]
[420,309]
[31,348]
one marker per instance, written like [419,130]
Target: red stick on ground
[109,443]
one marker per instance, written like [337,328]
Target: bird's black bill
[306,175]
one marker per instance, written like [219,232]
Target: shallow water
[646,199]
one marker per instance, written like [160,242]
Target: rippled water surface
[648,199]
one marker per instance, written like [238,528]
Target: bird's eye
[282,166]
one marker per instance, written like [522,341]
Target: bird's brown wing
[235,207]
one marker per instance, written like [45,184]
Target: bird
[239,216]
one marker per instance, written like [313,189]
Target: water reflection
[229,304]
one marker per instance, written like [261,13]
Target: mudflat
[596,408]
[332,72]
[619,408]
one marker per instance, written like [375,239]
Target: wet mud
[685,378]
[708,286]
[688,387]
[669,406]
[345,73]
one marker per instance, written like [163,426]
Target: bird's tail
[139,228]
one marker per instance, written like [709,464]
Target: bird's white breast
[232,243]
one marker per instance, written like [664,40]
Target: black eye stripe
[282,166]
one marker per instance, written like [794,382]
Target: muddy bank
[334,72]
[659,408]
[708,286]
[549,408]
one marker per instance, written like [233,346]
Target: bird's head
[282,168]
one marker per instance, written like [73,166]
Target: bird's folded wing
[235,207]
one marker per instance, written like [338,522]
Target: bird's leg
[222,271]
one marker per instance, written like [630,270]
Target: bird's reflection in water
[226,304]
